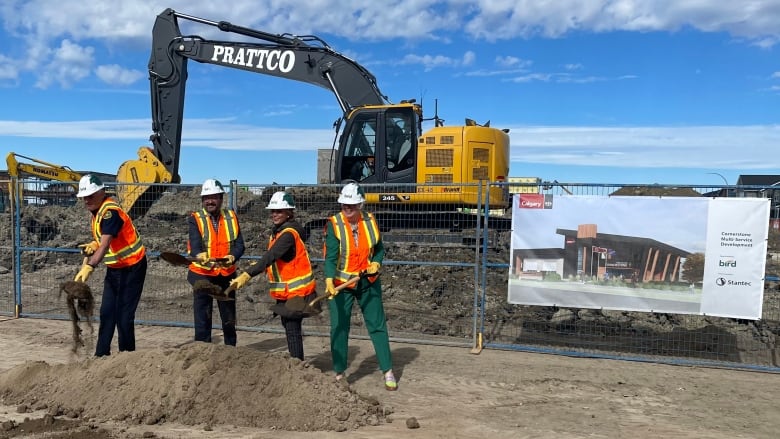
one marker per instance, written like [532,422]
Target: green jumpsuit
[369,297]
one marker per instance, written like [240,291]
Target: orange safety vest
[217,243]
[294,278]
[126,248]
[354,257]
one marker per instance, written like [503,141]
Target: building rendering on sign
[587,253]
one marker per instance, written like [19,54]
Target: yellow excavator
[43,170]
[380,143]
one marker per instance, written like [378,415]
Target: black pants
[203,309]
[294,333]
[122,290]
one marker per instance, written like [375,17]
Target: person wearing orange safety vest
[287,266]
[216,243]
[115,242]
[353,246]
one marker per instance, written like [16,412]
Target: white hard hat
[88,185]
[281,200]
[211,187]
[351,193]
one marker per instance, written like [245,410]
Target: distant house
[762,186]
[756,186]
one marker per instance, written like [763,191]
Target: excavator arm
[40,169]
[43,170]
[301,58]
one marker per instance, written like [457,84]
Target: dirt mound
[199,383]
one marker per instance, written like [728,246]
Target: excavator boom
[301,58]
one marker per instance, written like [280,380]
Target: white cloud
[8,69]
[705,147]
[429,62]
[469,58]
[505,19]
[39,24]
[565,78]
[118,75]
[724,147]
[412,19]
[511,61]
[71,63]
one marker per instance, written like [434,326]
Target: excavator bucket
[135,197]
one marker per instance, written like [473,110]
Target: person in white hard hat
[353,247]
[216,242]
[117,243]
[288,268]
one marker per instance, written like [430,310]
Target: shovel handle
[346,284]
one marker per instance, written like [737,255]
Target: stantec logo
[721,282]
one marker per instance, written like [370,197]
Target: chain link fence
[445,275]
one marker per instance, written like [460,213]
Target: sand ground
[452,393]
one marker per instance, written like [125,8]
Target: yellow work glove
[84,273]
[330,288]
[373,268]
[228,261]
[239,281]
[89,248]
[203,258]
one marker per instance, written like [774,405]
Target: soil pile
[198,384]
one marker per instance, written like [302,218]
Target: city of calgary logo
[534,201]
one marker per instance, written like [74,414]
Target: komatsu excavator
[42,170]
[381,142]
[21,166]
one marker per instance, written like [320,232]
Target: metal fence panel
[444,277]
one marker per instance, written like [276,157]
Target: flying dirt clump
[199,383]
[81,305]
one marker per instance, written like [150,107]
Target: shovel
[179,260]
[206,287]
[296,307]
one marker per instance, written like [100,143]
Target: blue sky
[603,91]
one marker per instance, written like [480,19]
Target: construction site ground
[444,392]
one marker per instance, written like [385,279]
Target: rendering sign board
[687,255]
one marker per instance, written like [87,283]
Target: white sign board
[687,255]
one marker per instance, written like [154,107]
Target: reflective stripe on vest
[216,243]
[354,258]
[126,248]
[294,278]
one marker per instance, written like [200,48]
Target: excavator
[43,170]
[22,166]
[381,142]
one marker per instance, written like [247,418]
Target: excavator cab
[379,145]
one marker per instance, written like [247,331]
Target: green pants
[369,297]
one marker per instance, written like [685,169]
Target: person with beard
[288,267]
[216,242]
